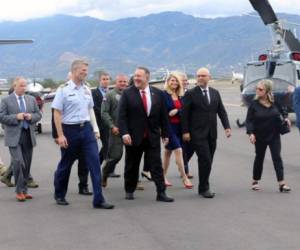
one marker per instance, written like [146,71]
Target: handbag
[284,127]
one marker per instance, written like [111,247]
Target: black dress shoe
[113,175]
[163,197]
[129,196]
[207,194]
[61,201]
[85,191]
[104,205]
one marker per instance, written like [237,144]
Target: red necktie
[144,99]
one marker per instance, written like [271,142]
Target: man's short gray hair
[77,63]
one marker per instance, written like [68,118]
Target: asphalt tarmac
[236,219]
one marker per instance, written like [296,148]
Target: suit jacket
[170,103]
[98,99]
[200,118]
[133,120]
[296,105]
[9,109]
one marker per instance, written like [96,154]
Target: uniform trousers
[81,142]
[114,154]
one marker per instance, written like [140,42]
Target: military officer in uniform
[109,115]
[72,116]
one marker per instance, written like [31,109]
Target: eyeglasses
[260,89]
[202,75]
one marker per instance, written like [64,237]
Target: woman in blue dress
[172,95]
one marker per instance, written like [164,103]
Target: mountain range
[170,40]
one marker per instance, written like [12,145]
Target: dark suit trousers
[21,156]
[132,162]
[205,150]
[83,173]
[260,151]
[187,153]
[104,137]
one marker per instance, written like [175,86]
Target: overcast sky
[114,9]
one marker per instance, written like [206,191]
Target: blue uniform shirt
[74,102]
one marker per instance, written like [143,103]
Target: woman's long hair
[179,91]
[268,85]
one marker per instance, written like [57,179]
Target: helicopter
[281,64]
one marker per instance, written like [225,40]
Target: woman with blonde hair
[172,96]
[263,127]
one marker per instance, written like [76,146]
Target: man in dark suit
[98,97]
[201,106]
[142,121]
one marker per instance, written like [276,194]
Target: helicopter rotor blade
[292,42]
[15,41]
[265,10]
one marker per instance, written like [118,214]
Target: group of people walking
[137,117]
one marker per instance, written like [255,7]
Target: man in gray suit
[18,114]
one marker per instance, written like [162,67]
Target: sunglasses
[260,89]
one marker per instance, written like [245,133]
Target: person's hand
[127,140]
[228,132]
[20,116]
[97,135]
[56,141]
[288,122]
[186,137]
[62,141]
[252,138]
[173,112]
[165,141]
[27,116]
[115,131]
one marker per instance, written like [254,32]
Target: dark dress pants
[80,140]
[187,153]
[104,137]
[83,173]
[260,151]
[205,150]
[132,162]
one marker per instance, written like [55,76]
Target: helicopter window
[283,72]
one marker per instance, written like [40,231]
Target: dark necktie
[23,110]
[206,96]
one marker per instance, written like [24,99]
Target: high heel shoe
[147,175]
[168,184]
[255,186]
[187,184]
[283,188]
